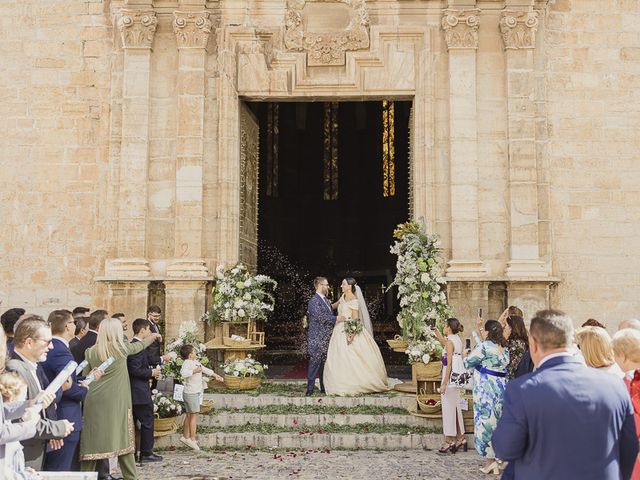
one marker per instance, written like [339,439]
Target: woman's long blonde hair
[3,350]
[110,342]
[596,348]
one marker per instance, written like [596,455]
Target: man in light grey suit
[33,340]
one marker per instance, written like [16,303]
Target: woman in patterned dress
[517,343]
[490,359]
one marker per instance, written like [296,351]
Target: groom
[321,323]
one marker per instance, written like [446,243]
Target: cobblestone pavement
[314,465]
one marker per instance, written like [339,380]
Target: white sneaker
[193,444]
[186,441]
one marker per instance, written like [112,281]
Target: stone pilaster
[192,30]
[518,29]
[465,297]
[128,297]
[137,28]
[461,34]
[530,296]
[184,301]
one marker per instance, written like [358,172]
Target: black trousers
[315,370]
[144,415]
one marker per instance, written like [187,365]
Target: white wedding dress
[353,368]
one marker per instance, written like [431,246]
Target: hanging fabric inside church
[330,158]
[273,146]
[388,149]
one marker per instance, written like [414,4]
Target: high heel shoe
[462,444]
[492,468]
[446,449]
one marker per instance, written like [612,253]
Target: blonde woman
[596,348]
[107,418]
[626,349]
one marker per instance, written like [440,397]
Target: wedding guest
[33,340]
[510,310]
[630,323]
[452,421]
[70,405]
[191,373]
[565,420]
[89,340]
[125,326]
[626,348]
[490,359]
[140,374]
[154,314]
[517,343]
[80,312]
[80,331]
[16,432]
[9,320]
[592,322]
[597,351]
[107,419]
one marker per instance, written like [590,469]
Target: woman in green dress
[107,429]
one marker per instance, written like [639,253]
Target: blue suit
[567,421]
[321,323]
[69,408]
[142,404]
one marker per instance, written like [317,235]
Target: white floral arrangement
[165,407]
[246,367]
[239,296]
[424,350]
[187,335]
[420,281]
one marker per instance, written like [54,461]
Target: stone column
[192,31]
[461,34]
[128,297]
[465,298]
[518,28]
[529,296]
[184,301]
[137,28]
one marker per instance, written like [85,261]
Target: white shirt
[192,382]
[554,355]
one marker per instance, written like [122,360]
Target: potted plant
[243,374]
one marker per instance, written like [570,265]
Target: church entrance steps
[239,401]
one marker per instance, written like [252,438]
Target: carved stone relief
[249,152]
[461,28]
[326,29]
[518,29]
[137,28]
[192,29]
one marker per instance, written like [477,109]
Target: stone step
[317,441]
[226,419]
[240,401]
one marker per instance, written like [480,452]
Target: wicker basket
[426,371]
[206,406]
[398,343]
[241,383]
[162,425]
[229,342]
[430,409]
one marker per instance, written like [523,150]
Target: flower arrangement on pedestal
[239,296]
[421,292]
[187,335]
[243,374]
[165,407]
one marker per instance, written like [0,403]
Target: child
[14,389]
[191,373]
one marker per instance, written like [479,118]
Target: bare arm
[447,373]
[440,337]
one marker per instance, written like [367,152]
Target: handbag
[460,376]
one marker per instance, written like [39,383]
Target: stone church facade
[130,158]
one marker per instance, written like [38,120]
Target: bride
[354,363]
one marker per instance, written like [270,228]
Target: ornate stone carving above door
[326,29]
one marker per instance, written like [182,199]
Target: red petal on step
[296,421]
[249,447]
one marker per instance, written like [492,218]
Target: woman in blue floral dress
[489,359]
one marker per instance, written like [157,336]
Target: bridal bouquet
[352,326]
[187,335]
[420,281]
[246,367]
[165,407]
[239,296]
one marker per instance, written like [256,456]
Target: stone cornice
[461,28]
[518,29]
[137,28]
[192,29]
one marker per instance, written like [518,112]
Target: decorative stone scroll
[192,29]
[461,28]
[518,29]
[137,28]
[326,29]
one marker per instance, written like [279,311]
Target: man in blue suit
[565,420]
[70,405]
[321,323]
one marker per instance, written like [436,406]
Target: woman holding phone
[452,421]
